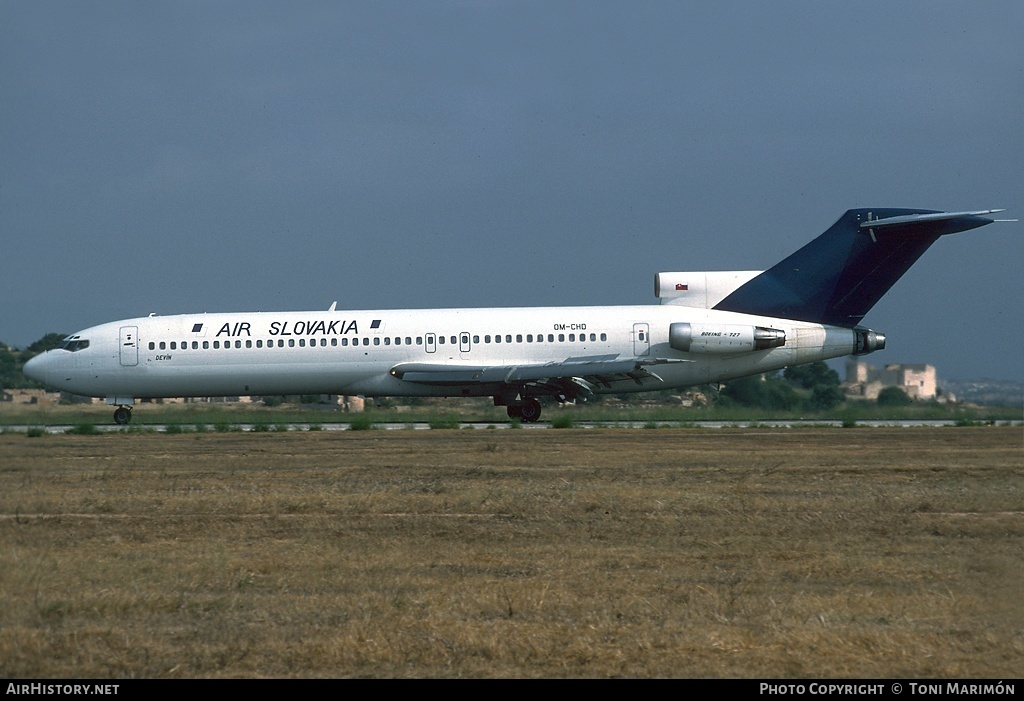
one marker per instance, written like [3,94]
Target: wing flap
[593,369]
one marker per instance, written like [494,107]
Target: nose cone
[36,368]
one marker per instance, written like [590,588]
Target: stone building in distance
[918,380]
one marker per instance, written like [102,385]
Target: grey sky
[236,156]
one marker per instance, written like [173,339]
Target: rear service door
[641,339]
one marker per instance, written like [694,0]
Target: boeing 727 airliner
[709,327]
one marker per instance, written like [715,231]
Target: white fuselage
[516,355]
[354,352]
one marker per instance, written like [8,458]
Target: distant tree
[747,391]
[812,375]
[779,395]
[893,396]
[825,397]
[762,392]
[47,342]
[10,373]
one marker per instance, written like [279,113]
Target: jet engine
[723,338]
[867,341]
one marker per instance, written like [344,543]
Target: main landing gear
[122,415]
[528,410]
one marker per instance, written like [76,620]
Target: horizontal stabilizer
[920,218]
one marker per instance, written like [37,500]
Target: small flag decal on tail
[680,287]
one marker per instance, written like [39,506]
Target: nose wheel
[122,415]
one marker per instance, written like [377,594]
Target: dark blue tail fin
[839,276]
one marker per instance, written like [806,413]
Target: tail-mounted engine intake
[723,338]
[867,341]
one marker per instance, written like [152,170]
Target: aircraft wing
[573,375]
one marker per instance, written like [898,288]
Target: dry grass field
[543,553]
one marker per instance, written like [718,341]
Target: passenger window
[376,341]
[323,342]
[291,342]
[152,346]
[572,337]
[259,343]
[334,342]
[248,344]
[366,341]
[561,338]
[551,338]
[419,340]
[302,343]
[238,344]
[519,338]
[280,343]
[408,340]
[387,340]
[206,345]
[476,339]
[604,337]
[163,345]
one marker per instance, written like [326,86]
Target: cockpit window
[74,343]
